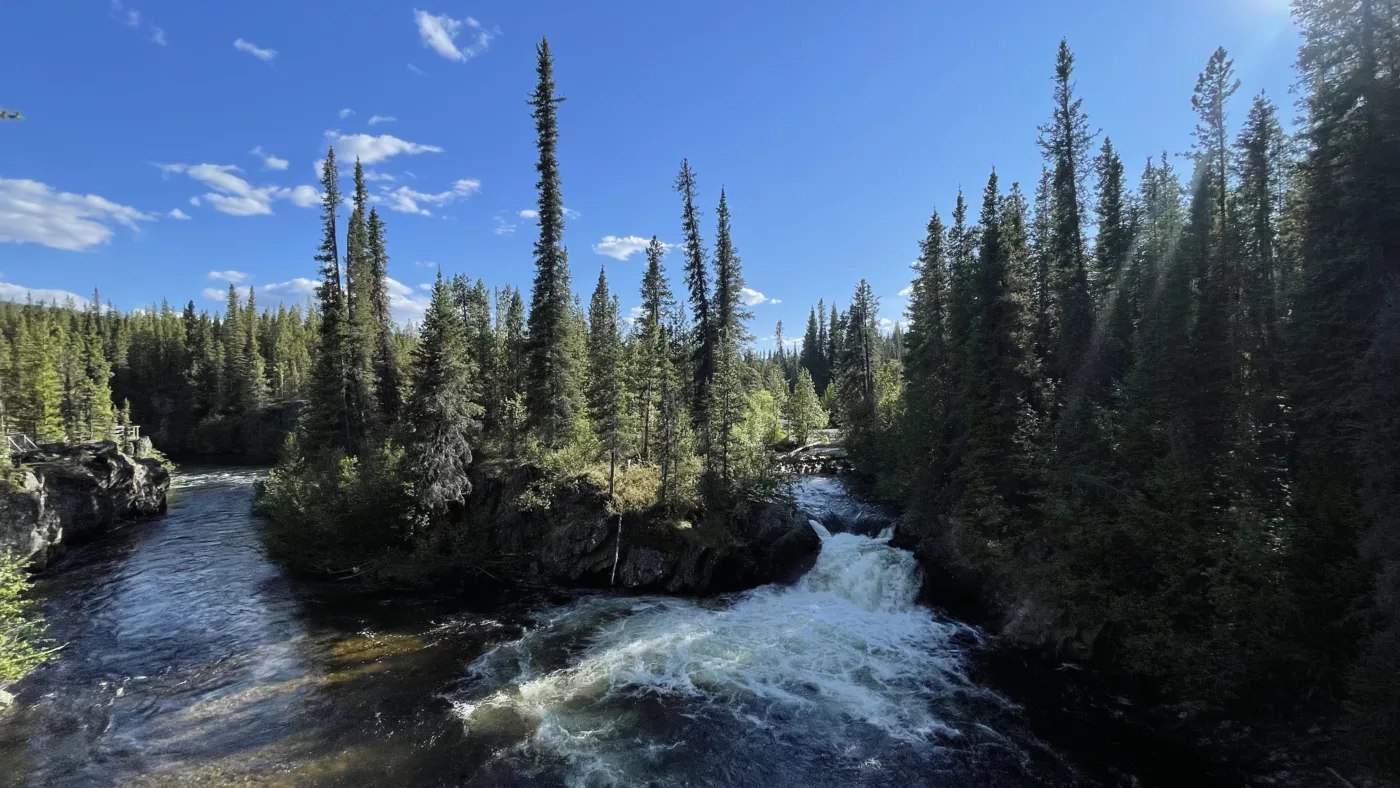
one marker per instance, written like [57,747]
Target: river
[190,658]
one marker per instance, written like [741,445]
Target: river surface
[190,658]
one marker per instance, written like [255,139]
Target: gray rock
[71,493]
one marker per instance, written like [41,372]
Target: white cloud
[158,36]
[305,197]
[407,304]
[41,295]
[427,263]
[132,18]
[885,324]
[906,291]
[233,195]
[571,213]
[529,213]
[301,286]
[405,199]
[420,72]
[194,201]
[371,149]
[214,294]
[752,297]
[265,55]
[375,120]
[176,213]
[439,33]
[372,176]
[620,248]
[426,286]
[269,161]
[503,227]
[345,113]
[232,277]
[633,315]
[32,212]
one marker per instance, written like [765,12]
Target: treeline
[671,409]
[72,371]
[1174,408]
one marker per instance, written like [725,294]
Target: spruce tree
[388,377]
[606,379]
[1113,290]
[362,327]
[442,412]
[40,395]
[697,280]
[551,385]
[729,313]
[327,422]
[928,384]
[1065,141]
[653,347]
[805,412]
[252,383]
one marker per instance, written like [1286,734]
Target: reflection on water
[191,659]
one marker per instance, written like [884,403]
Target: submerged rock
[61,494]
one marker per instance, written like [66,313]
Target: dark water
[191,659]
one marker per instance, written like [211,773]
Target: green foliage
[22,643]
[805,412]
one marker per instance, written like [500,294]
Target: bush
[22,643]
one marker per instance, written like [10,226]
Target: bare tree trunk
[617,551]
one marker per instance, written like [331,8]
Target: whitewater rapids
[840,672]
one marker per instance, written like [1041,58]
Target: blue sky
[835,128]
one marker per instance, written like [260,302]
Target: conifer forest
[1156,392]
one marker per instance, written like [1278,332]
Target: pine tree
[328,420]
[729,314]
[362,326]
[551,385]
[442,412]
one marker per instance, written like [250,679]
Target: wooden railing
[17,442]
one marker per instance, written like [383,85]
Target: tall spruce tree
[360,284]
[327,422]
[388,377]
[551,375]
[928,384]
[697,280]
[607,389]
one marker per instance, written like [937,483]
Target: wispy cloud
[158,36]
[194,201]
[235,196]
[372,176]
[752,297]
[906,291]
[345,113]
[269,161]
[32,212]
[232,277]
[529,213]
[9,291]
[132,18]
[375,120]
[620,248]
[265,55]
[570,213]
[420,72]
[372,149]
[439,33]
[176,213]
[301,286]
[214,294]
[504,227]
[406,200]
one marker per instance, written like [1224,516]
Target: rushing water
[191,659]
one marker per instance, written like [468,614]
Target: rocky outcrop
[574,540]
[63,494]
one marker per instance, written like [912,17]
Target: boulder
[62,494]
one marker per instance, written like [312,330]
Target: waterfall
[608,684]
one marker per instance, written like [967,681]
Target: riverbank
[60,495]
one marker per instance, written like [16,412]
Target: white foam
[845,645]
[820,529]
